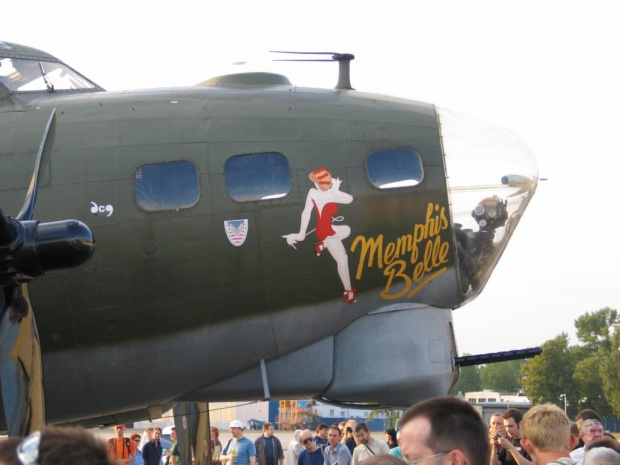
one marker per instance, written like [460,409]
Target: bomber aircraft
[239,239]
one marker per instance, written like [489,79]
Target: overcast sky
[547,70]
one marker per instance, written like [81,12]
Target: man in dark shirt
[312,453]
[268,447]
[347,435]
[151,452]
[321,435]
[510,451]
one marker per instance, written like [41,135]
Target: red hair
[316,176]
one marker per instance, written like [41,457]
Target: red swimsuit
[324,220]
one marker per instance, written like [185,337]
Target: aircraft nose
[492,175]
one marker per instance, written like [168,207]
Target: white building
[331,411]
[487,395]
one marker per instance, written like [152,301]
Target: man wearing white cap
[239,450]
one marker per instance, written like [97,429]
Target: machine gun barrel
[494,357]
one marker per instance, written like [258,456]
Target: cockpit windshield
[24,75]
[492,176]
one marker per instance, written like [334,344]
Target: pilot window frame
[169,191]
[386,168]
[259,176]
[32,75]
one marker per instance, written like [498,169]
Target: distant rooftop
[488,396]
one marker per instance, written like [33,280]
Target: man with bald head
[312,453]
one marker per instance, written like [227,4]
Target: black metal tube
[7,230]
[494,357]
[63,244]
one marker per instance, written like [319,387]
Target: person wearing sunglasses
[294,449]
[444,431]
[136,439]
[312,453]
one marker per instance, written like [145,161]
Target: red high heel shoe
[318,248]
[349,296]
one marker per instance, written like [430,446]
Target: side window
[393,168]
[167,186]
[257,176]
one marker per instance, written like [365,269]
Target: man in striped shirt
[239,450]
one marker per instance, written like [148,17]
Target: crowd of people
[148,449]
[448,431]
[439,431]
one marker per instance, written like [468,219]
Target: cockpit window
[393,168]
[21,75]
[257,176]
[167,186]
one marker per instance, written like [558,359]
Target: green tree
[597,372]
[392,415]
[503,376]
[589,385]
[469,381]
[588,373]
[549,376]
[595,329]
[610,373]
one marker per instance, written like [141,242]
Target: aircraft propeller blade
[45,147]
[28,249]
[21,371]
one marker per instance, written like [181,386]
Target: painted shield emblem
[237,231]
